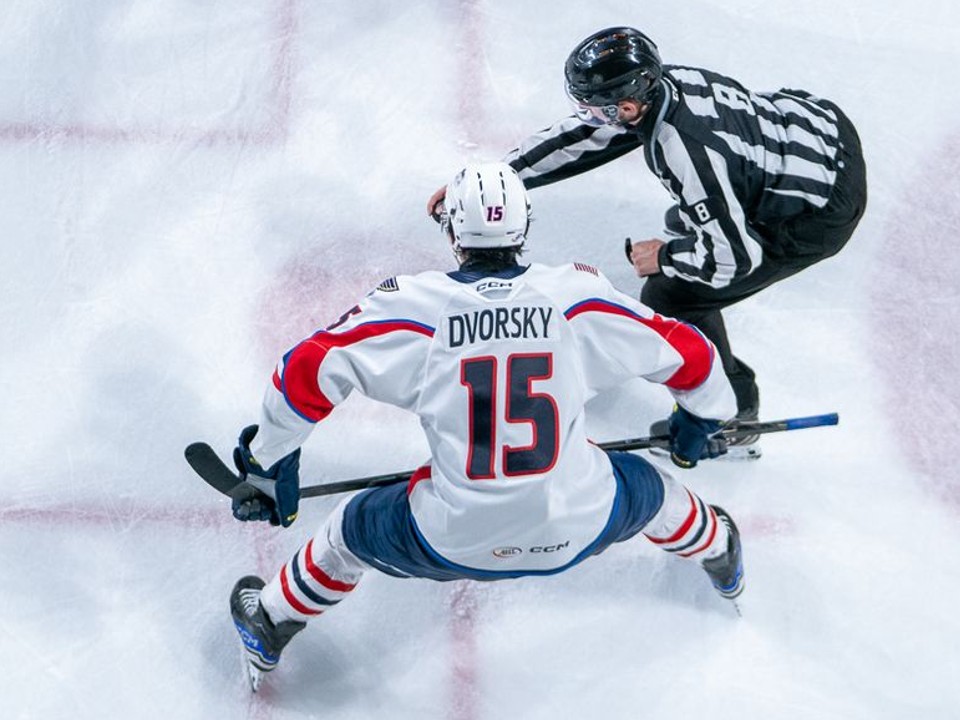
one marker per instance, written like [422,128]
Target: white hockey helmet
[486,206]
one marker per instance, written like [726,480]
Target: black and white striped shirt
[736,161]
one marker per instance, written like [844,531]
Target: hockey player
[497,359]
[765,184]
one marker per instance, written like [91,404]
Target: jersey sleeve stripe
[299,377]
[694,348]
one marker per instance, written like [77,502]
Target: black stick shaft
[740,430]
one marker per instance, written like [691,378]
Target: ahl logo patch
[507,552]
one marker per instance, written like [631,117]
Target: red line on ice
[472,101]
[274,130]
[463,650]
[119,514]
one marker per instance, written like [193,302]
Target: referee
[765,183]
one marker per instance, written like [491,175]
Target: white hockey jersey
[498,368]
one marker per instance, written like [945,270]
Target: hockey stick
[208,465]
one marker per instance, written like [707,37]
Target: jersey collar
[468,273]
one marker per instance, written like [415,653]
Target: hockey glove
[690,438]
[271,495]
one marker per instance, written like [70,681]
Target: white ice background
[186,188]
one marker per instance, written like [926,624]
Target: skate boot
[748,446]
[262,640]
[726,571]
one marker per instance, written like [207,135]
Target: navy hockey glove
[271,495]
[690,438]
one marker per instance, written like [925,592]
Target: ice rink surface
[189,187]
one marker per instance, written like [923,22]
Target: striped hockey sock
[686,526]
[317,577]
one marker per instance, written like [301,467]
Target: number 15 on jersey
[502,393]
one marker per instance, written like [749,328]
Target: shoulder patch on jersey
[388,285]
[586,268]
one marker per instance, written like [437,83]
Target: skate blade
[734,454]
[253,673]
[734,597]
[745,452]
[255,676]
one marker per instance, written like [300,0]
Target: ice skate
[747,447]
[726,571]
[263,641]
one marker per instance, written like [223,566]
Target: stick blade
[208,465]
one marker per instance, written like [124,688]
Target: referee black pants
[790,246]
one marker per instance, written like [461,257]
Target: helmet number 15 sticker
[494,213]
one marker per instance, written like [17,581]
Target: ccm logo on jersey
[514,323]
[513,551]
[549,548]
[491,285]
